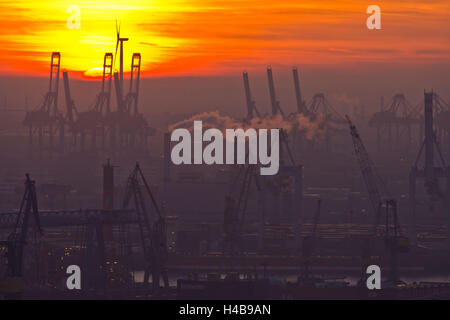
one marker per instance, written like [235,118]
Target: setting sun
[209,37]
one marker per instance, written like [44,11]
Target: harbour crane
[152,228]
[376,188]
[432,170]
[91,121]
[378,193]
[46,120]
[17,240]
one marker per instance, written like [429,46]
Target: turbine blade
[115,55]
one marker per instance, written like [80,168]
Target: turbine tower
[119,40]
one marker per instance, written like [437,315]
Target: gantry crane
[91,121]
[46,119]
[432,169]
[128,119]
[131,100]
[102,104]
[400,115]
[17,240]
[70,103]
[152,228]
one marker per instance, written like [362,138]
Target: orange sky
[181,37]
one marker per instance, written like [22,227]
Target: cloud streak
[179,37]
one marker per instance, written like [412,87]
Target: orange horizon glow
[209,37]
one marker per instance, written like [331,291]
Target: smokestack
[108,186]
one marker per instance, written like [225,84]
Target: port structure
[380,198]
[18,238]
[318,108]
[276,108]
[125,127]
[430,170]
[46,121]
[152,228]
[375,185]
[90,124]
[251,105]
[396,243]
[301,105]
[100,235]
[441,118]
[400,116]
[236,207]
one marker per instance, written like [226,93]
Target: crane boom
[273,96]
[131,99]
[376,188]
[152,229]
[70,104]
[298,93]
[18,238]
[251,106]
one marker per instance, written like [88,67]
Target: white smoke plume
[298,122]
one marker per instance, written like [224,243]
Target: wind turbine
[119,40]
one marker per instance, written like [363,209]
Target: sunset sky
[208,37]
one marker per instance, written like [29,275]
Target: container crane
[17,240]
[152,228]
[131,99]
[46,119]
[432,170]
[70,103]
